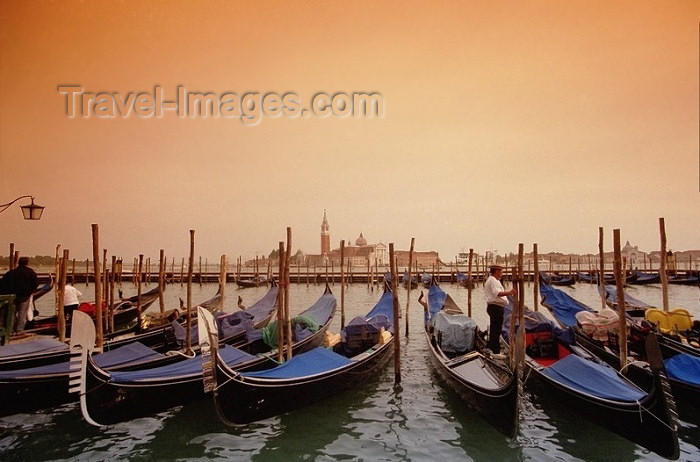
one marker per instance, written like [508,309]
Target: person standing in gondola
[70,301]
[496,302]
[21,281]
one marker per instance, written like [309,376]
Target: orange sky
[504,122]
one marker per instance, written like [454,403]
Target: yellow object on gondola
[679,319]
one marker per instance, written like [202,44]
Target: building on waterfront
[325,236]
[634,257]
[359,253]
[354,255]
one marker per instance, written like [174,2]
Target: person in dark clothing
[22,282]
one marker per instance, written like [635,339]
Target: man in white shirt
[70,301]
[496,301]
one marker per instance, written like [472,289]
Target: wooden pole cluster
[620,283]
[397,338]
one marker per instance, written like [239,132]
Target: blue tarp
[385,307]
[611,296]
[436,299]
[304,324]
[41,345]
[312,362]
[592,378]
[131,353]
[535,321]
[684,367]
[188,367]
[235,323]
[563,307]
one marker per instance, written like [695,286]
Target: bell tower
[325,236]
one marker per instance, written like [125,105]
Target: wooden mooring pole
[397,338]
[601,274]
[620,283]
[98,285]
[190,269]
[342,284]
[662,265]
[408,281]
[287,315]
[61,298]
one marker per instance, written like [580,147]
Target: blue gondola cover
[592,378]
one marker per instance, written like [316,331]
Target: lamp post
[30,212]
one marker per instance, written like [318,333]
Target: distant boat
[644,278]
[255,281]
[556,279]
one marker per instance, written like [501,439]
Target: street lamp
[30,212]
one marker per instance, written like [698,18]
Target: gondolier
[21,281]
[496,301]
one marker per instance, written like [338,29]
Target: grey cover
[458,331]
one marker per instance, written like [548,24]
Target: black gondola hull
[241,401]
[498,406]
[648,424]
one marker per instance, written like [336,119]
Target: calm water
[416,420]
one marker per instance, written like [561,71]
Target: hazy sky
[504,122]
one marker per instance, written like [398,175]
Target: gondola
[556,279]
[592,278]
[676,330]
[110,397]
[640,278]
[404,280]
[455,353]
[255,281]
[688,280]
[47,350]
[598,333]
[38,387]
[464,281]
[247,396]
[591,388]
[125,312]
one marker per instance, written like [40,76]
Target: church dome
[360,241]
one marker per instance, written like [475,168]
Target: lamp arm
[4,207]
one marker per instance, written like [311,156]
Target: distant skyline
[500,123]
